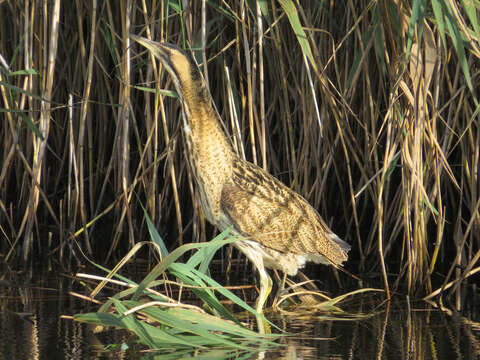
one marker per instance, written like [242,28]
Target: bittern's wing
[264,210]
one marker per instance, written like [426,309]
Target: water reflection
[31,328]
[393,332]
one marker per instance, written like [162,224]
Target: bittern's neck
[203,120]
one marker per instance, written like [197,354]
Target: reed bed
[368,109]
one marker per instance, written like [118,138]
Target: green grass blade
[165,264]
[168,93]
[100,318]
[291,11]
[133,324]
[24,72]
[471,11]
[204,255]
[155,236]
[20,90]
[416,20]
[214,323]
[438,13]
[167,318]
[458,44]
[231,296]
[189,275]
[26,119]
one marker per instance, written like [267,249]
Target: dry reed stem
[39,145]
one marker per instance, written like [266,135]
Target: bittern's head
[181,66]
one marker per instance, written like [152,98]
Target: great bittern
[279,228]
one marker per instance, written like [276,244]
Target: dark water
[32,327]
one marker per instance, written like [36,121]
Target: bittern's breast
[210,157]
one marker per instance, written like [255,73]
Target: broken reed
[374,124]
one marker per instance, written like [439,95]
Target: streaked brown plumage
[279,227]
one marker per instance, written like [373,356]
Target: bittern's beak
[182,67]
[159,50]
[175,60]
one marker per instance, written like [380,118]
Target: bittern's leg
[265,288]
[282,285]
[281,289]
[255,256]
[280,281]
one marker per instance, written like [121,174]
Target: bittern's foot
[282,292]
